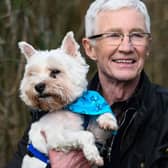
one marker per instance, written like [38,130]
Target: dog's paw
[99,161]
[107,121]
[92,155]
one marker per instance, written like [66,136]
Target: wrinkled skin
[74,159]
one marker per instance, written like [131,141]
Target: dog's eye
[54,73]
[30,73]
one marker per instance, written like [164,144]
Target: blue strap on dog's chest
[38,154]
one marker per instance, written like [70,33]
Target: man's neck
[117,91]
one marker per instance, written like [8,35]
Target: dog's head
[53,78]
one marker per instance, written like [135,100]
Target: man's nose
[126,45]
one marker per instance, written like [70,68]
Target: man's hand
[73,159]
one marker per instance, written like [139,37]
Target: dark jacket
[142,139]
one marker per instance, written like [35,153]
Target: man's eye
[114,35]
[137,35]
[54,73]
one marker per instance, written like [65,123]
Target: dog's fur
[53,79]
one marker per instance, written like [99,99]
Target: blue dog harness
[91,103]
[32,151]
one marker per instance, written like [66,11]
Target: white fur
[42,87]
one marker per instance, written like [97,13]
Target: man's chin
[126,76]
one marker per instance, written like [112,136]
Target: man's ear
[149,47]
[89,49]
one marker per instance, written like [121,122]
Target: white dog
[52,80]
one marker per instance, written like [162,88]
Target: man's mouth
[124,61]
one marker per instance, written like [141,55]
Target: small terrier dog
[52,80]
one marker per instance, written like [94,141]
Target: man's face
[125,61]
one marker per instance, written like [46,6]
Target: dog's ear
[69,45]
[26,49]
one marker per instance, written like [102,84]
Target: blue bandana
[90,103]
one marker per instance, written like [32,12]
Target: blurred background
[43,23]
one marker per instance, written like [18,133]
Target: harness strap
[41,156]
[86,119]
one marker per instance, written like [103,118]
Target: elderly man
[118,39]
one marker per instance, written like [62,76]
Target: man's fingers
[73,159]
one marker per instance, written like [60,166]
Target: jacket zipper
[130,122]
[112,141]
[111,144]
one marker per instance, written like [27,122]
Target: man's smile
[124,61]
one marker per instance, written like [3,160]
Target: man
[118,39]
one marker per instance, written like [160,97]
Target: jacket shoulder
[161,98]
[161,90]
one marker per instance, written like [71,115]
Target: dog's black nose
[40,87]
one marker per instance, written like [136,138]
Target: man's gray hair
[100,5]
